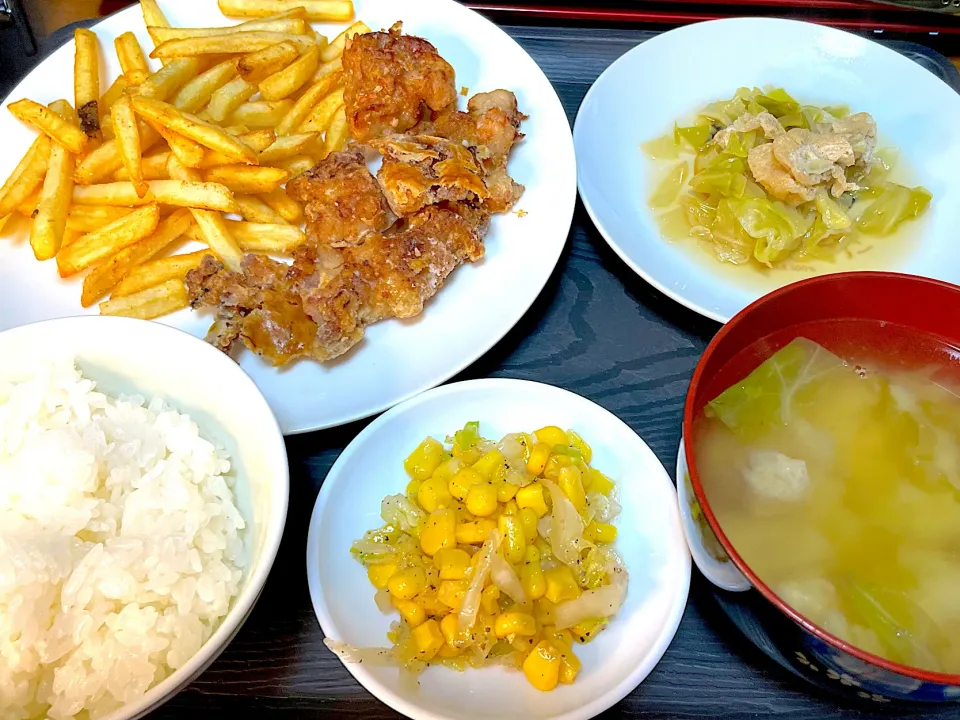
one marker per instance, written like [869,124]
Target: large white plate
[479,303]
[671,76]
[650,541]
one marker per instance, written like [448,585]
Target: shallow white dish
[479,303]
[126,356]
[668,78]
[650,541]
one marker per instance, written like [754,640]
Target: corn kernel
[511,508]
[474,533]
[555,464]
[380,573]
[433,494]
[410,610]
[482,499]
[406,584]
[421,463]
[585,631]
[538,458]
[542,666]
[561,584]
[528,518]
[450,628]
[575,441]
[569,666]
[514,543]
[531,574]
[572,487]
[514,623]
[531,497]
[448,468]
[450,652]
[452,563]
[427,639]
[413,487]
[551,435]
[431,603]
[600,483]
[439,531]
[459,485]
[490,600]
[488,464]
[451,593]
[506,491]
[563,639]
[600,532]
[544,611]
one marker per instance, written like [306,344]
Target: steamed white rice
[121,546]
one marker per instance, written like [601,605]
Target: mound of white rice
[120,544]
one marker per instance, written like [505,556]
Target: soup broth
[838,483]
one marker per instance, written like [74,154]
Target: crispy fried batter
[343,203]
[388,78]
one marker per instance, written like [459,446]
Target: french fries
[26,177]
[46,120]
[335,47]
[257,140]
[105,277]
[188,152]
[287,81]
[132,61]
[247,179]
[191,126]
[85,218]
[297,164]
[157,272]
[197,93]
[50,219]
[229,97]
[194,194]
[228,43]
[287,26]
[323,112]
[287,146]
[154,167]
[128,143]
[212,226]
[328,68]
[113,93]
[317,10]
[266,238]
[284,205]
[150,303]
[336,136]
[305,105]
[100,244]
[170,78]
[152,14]
[106,159]
[255,210]
[259,65]
[261,113]
[86,80]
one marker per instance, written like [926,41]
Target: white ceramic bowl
[126,356]
[666,79]
[650,541]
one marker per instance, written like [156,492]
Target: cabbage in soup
[839,485]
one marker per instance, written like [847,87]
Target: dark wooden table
[598,330]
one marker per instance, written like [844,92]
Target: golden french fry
[336,135]
[298,114]
[261,113]
[329,67]
[228,43]
[286,26]
[321,115]
[148,304]
[255,210]
[102,162]
[128,142]
[247,179]
[155,272]
[191,126]
[85,218]
[3,222]
[190,153]
[259,65]
[28,208]
[113,93]
[210,196]
[154,167]
[50,220]
[229,97]
[106,127]
[26,177]
[288,146]
[170,78]
[285,206]
[197,93]
[237,129]
[266,238]
[152,14]
[106,276]
[297,164]
[287,81]
[317,10]
[335,47]
[86,80]
[132,62]
[50,122]
[100,244]
[257,140]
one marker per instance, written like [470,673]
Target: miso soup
[837,480]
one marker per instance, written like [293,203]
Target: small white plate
[650,541]
[478,304]
[670,77]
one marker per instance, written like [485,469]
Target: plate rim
[597,705]
[513,312]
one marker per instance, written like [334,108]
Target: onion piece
[600,603]
[399,511]
[566,527]
[471,598]
[506,580]
[380,657]
[382,599]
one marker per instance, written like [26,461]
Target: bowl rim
[227,371]
[698,377]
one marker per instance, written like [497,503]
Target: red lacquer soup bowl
[899,319]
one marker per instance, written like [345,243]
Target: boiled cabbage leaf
[895,204]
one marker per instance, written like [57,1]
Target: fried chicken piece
[343,202]
[389,78]
[774,177]
[420,170]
